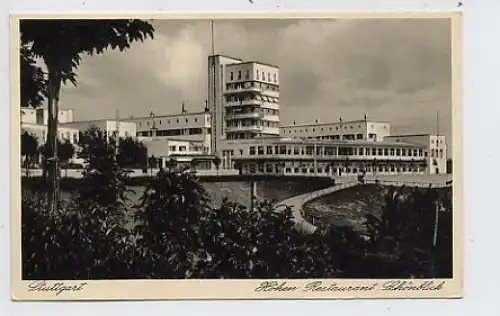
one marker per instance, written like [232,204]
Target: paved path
[297,202]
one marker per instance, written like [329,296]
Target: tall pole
[214,108]
[117,140]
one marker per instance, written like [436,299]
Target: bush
[176,234]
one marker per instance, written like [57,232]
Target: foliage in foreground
[175,233]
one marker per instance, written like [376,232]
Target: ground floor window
[269,168]
[288,170]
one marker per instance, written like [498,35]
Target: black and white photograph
[300,157]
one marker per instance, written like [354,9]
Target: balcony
[244,115]
[243,103]
[252,128]
[242,90]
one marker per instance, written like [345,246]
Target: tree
[61,44]
[65,151]
[32,78]
[217,161]
[29,148]
[132,154]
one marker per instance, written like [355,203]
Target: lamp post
[153,124]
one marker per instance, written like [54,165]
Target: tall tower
[216,89]
[251,100]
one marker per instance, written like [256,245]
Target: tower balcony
[242,90]
[244,115]
[245,102]
[252,128]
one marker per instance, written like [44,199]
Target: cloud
[396,70]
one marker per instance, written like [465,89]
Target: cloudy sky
[394,70]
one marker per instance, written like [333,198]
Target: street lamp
[153,124]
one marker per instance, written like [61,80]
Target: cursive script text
[56,287]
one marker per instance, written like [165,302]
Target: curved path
[297,202]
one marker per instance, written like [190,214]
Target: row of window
[175,132]
[334,151]
[253,84]
[258,76]
[276,168]
[251,123]
[159,121]
[251,110]
[437,153]
[251,97]
[301,130]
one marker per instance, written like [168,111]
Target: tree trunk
[53,87]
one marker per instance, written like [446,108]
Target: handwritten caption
[320,286]
[55,287]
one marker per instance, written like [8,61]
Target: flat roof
[255,62]
[413,135]
[227,56]
[328,123]
[165,115]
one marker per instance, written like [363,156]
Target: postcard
[236,156]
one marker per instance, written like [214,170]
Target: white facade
[243,98]
[40,132]
[40,116]
[290,156]
[178,150]
[435,149]
[186,126]
[124,130]
[349,130]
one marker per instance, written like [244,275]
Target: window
[440,153]
[260,150]
[398,152]
[239,74]
[261,168]
[177,120]
[252,150]
[263,76]
[360,151]
[269,150]
[379,151]
[386,151]
[182,148]
[268,77]
[432,153]
[403,152]
[195,119]
[359,136]
[275,80]
[392,151]
[269,168]
[374,151]
[420,152]
[231,76]
[186,120]
[247,74]
[282,150]
[257,75]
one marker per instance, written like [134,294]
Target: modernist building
[367,130]
[34,122]
[435,149]
[243,97]
[288,156]
[39,116]
[110,127]
[193,127]
[180,151]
